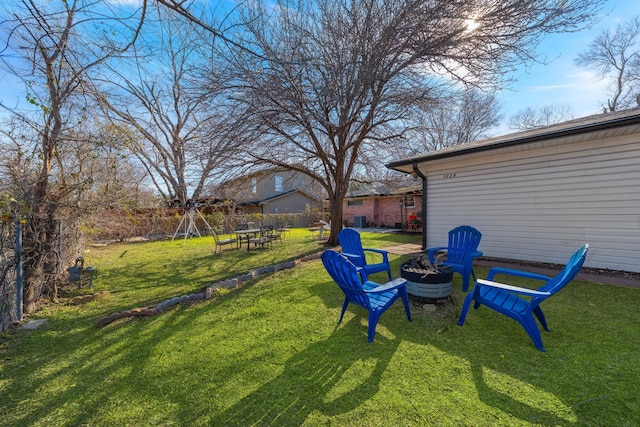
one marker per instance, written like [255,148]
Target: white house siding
[542,201]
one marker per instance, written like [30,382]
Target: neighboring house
[539,195]
[272,191]
[382,208]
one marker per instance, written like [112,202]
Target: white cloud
[575,80]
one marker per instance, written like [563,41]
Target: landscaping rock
[196,297]
[147,311]
[34,324]
[311,257]
[162,306]
[231,283]
[82,299]
[283,266]
[264,270]
[246,277]
[101,295]
[429,308]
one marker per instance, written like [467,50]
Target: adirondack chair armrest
[516,289]
[519,273]
[350,256]
[472,255]
[385,254]
[360,270]
[380,251]
[393,284]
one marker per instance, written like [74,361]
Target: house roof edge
[580,126]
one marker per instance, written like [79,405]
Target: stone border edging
[206,294]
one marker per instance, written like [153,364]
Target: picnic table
[246,235]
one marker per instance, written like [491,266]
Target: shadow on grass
[508,373]
[278,338]
[307,380]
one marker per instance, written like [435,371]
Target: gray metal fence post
[19,271]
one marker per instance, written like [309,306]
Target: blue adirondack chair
[352,248]
[374,297]
[509,300]
[462,249]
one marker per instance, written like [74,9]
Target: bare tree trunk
[335,210]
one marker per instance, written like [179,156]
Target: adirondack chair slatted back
[568,272]
[462,250]
[462,241]
[345,274]
[352,247]
[351,243]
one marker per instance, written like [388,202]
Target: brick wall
[380,211]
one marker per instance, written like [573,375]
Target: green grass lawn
[271,352]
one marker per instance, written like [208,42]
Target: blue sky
[561,81]
[558,82]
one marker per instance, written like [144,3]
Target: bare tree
[115,178]
[52,47]
[334,78]
[187,10]
[119,187]
[172,104]
[615,56]
[547,115]
[464,117]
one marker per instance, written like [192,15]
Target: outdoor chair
[265,236]
[372,296]
[509,300]
[351,244]
[276,233]
[283,229]
[461,251]
[242,237]
[220,243]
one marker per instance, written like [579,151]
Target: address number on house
[449,175]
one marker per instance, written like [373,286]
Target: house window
[254,185]
[279,184]
[354,202]
[409,203]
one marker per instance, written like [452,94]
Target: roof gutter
[418,173]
